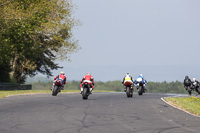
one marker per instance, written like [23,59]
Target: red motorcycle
[86,90]
[128,89]
[57,87]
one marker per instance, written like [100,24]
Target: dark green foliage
[33,35]
[152,87]
[164,87]
[109,86]
[4,72]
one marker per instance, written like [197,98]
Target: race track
[101,113]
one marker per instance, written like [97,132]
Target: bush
[153,87]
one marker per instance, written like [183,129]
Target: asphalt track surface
[101,113]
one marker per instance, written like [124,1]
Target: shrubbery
[153,87]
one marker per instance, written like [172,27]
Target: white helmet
[62,73]
[88,73]
[127,74]
[194,79]
[141,75]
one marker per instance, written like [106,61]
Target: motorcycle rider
[61,77]
[87,78]
[141,78]
[195,85]
[187,82]
[128,78]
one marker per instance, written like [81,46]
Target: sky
[157,38]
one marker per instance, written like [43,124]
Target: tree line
[33,35]
[152,87]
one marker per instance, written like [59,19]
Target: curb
[178,107]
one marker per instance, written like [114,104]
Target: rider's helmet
[127,74]
[194,79]
[62,73]
[186,77]
[88,73]
[141,75]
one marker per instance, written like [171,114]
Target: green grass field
[190,104]
[4,94]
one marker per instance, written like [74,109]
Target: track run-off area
[101,113]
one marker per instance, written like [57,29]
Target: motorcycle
[86,90]
[195,87]
[189,90]
[189,87]
[57,87]
[128,89]
[140,88]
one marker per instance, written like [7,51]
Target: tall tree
[35,33]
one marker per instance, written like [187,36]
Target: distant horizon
[43,78]
[159,39]
[163,73]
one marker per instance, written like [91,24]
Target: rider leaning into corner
[61,77]
[187,82]
[195,85]
[141,78]
[128,79]
[87,78]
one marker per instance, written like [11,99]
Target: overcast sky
[158,38]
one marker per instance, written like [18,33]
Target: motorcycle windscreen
[59,82]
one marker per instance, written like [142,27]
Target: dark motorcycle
[86,90]
[195,87]
[140,88]
[189,90]
[57,87]
[128,89]
[188,86]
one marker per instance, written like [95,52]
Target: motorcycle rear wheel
[129,92]
[140,91]
[189,90]
[198,91]
[85,94]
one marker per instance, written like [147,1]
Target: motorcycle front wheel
[55,91]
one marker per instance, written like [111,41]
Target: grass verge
[4,94]
[190,104]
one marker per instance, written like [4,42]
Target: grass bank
[190,104]
[4,94]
